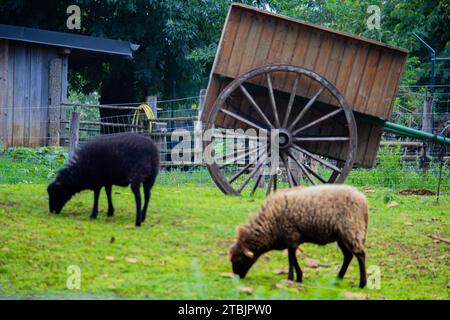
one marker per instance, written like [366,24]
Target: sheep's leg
[110,205]
[294,263]
[108,189]
[94,212]
[361,256]
[291,267]
[348,255]
[147,188]
[135,187]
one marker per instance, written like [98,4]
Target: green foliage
[79,98]
[181,251]
[48,156]
[12,172]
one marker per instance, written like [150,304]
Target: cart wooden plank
[254,37]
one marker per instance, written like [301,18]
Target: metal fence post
[198,130]
[427,126]
[74,133]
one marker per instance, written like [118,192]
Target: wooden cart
[324,93]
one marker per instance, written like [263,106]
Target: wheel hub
[284,138]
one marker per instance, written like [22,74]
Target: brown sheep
[318,214]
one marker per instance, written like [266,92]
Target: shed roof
[68,40]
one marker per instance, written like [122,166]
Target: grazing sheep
[122,159]
[318,214]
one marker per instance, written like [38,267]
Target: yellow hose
[143,109]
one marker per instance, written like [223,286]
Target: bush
[49,156]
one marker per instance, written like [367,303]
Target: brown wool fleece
[318,214]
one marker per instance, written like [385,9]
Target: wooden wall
[24,93]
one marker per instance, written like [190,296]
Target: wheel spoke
[223,133]
[238,111]
[315,174]
[318,159]
[321,139]
[253,150]
[237,175]
[291,100]
[302,167]
[272,100]
[255,105]
[323,118]
[275,179]
[257,180]
[306,108]
[291,179]
[242,119]
[247,180]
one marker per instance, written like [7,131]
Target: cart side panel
[368,141]
[366,73]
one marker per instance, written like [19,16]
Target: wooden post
[54,112]
[426,117]
[160,140]
[427,126]
[64,74]
[152,101]
[5,108]
[198,130]
[74,133]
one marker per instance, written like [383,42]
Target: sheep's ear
[241,231]
[249,254]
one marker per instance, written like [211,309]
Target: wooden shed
[33,80]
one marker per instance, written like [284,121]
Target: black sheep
[123,159]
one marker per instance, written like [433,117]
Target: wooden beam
[5,135]
[54,112]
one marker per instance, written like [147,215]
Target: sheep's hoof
[110,213]
[362,284]
[93,216]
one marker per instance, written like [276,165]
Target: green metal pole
[414,133]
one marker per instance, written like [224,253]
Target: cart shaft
[414,133]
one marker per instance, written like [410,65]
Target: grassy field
[181,251]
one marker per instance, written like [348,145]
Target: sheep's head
[58,194]
[242,259]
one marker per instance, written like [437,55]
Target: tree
[177,41]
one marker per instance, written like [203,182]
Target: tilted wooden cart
[326,94]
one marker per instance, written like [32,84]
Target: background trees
[178,38]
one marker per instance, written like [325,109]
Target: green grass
[182,249]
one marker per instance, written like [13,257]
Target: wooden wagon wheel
[288,127]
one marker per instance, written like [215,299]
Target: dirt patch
[8,204]
[416,192]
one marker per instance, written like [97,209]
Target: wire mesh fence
[400,163]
